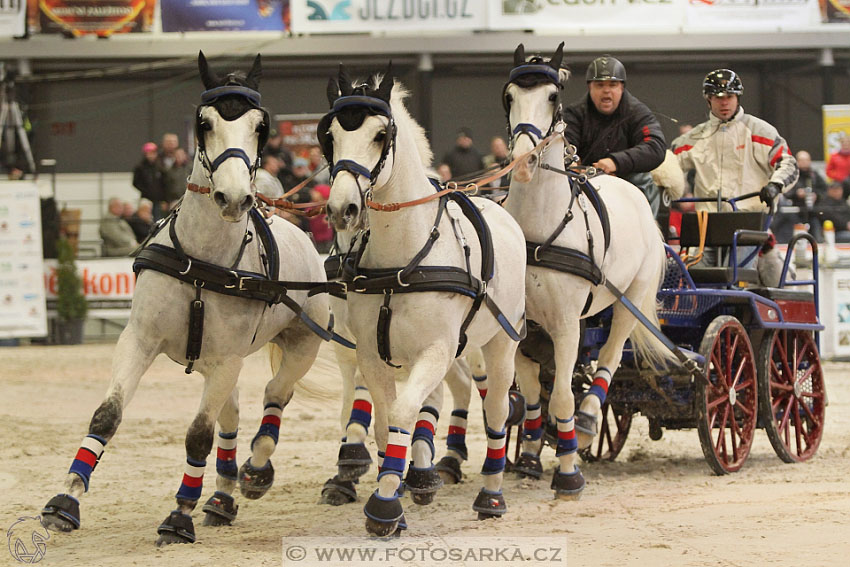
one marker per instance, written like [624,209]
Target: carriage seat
[784,294]
[719,233]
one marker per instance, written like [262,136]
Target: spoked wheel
[792,395]
[727,406]
[612,435]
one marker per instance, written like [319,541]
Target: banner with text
[108,284]
[836,123]
[347,16]
[298,132]
[835,11]
[22,305]
[751,14]
[13,18]
[91,17]
[224,15]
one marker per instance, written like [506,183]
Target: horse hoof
[449,470]
[220,510]
[516,415]
[568,486]
[254,482]
[383,515]
[528,466]
[489,504]
[422,484]
[353,461]
[177,528]
[337,492]
[62,513]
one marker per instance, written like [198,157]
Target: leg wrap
[396,453]
[601,381]
[456,440]
[567,442]
[87,457]
[381,455]
[193,481]
[495,461]
[225,462]
[481,385]
[426,423]
[361,409]
[270,425]
[532,430]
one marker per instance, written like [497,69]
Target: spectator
[318,164]
[838,165]
[149,178]
[167,153]
[810,188]
[177,177]
[834,207]
[463,159]
[615,132]
[142,220]
[266,180]
[499,158]
[323,234]
[117,235]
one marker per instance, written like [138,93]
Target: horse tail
[646,344]
[308,389]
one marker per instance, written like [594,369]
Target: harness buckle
[235,277]
[398,279]
[354,279]
[242,281]
[536,257]
[189,267]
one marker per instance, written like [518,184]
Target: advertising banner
[836,123]
[13,18]
[22,305]
[91,17]
[557,15]
[224,15]
[108,284]
[751,14]
[347,16]
[298,132]
[835,11]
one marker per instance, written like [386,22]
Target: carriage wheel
[612,435]
[727,406]
[791,393]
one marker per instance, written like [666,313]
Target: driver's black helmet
[722,82]
[606,68]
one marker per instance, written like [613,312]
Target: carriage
[756,349]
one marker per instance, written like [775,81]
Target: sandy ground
[658,504]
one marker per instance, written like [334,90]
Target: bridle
[538,73]
[208,98]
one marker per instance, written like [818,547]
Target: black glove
[769,192]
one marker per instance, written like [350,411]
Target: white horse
[377,151]
[549,204]
[208,249]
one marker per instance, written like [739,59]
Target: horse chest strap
[385,315]
[196,329]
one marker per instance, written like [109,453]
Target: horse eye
[206,127]
[553,97]
[380,136]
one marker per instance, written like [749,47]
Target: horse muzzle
[343,216]
[232,208]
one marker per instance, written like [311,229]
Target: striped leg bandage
[495,461]
[532,429]
[396,453]
[481,385]
[193,481]
[87,457]
[225,462]
[426,424]
[601,381]
[361,409]
[456,440]
[270,425]
[567,442]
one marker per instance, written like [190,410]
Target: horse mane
[404,121]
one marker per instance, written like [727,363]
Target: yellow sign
[836,123]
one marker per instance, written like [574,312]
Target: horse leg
[297,349]
[528,465]
[499,353]
[131,359]
[457,379]
[567,481]
[422,479]
[218,387]
[221,509]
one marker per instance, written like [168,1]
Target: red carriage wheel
[612,435]
[792,395]
[727,406]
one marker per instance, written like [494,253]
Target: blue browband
[548,71]
[369,102]
[212,95]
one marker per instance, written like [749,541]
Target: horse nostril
[351,211]
[247,202]
[220,199]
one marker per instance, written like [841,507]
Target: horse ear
[385,89]
[519,55]
[345,87]
[207,77]
[558,57]
[333,90]
[255,74]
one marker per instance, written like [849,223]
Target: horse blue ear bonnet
[212,95]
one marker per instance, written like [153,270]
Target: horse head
[531,99]
[231,123]
[356,137]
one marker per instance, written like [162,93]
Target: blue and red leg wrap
[396,453]
[532,429]
[426,424]
[225,462]
[193,481]
[270,425]
[87,457]
[495,461]
[456,441]
[481,385]
[361,409]
[599,387]
[567,442]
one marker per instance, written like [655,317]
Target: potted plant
[71,304]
